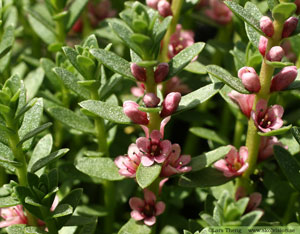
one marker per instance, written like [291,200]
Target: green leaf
[160,31]
[198,96]
[252,34]
[196,67]
[207,177]
[31,121]
[25,108]
[8,201]
[113,62]
[209,135]
[272,3]
[276,132]
[106,111]
[71,119]
[146,175]
[34,132]
[11,162]
[108,87]
[246,15]
[289,165]
[33,82]
[7,40]
[70,81]
[72,55]
[133,226]
[283,11]
[41,27]
[34,230]
[183,58]
[91,42]
[103,168]
[209,219]
[16,229]
[62,210]
[48,159]
[251,218]
[227,78]
[41,150]
[74,12]
[206,159]
[296,133]
[48,67]
[279,64]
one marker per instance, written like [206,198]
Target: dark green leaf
[207,177]
[11,162]
[62,210]
[34,132]
[198,96]
[103,168]
[106,111]
[7,40]
[276,132]
[71,119]
[227,78]
[283,11]
[25,108]
[296,133]
[251,218]
[206,159]
[289,165]
[272,3]
[79,220]
[146,175]
[160,31]
[252,34]
[113,62]
[107,89]
[74,12]
[48,67]
[182,59]
[48,159]
[133,226]
[209,135]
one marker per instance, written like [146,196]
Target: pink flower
[262,46]
[151,100]
[175,163]
[284,78]
[175,85]
[244,101]
[254,199]
[266,147]
[266,25]
[249,79]
[12,215]
[128,164]
[146,209]
[130,109]
[180,40]
[170,104]
[289,26]
[267,118]
[219,12]
[275,54]
[234,163]
[153,148]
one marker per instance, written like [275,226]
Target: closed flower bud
[251,82]
[170,104]
[161,72]
[152,3]
[284,78]
[164,8]
[244,70]
[289,26]
[151,100]
[266,25]
[275,54]
[262,46]
[130,109]
[138,72]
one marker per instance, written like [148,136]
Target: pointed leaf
[74,12]
[106,111]
[276,132]
[48,67]
[133,226]
[296,134]
[62,210]
[34,132]
[146,175]
[72,55]
[33,82]
[7,40]
[251,218]
[161,30]
[196,67]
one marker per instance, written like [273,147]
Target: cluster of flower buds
[284,78]
[160,72]
[249,78]
[267,118]
[162,6]
[218,12]
[244,101]
[235,163]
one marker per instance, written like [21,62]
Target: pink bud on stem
[275,54]
[164,8]
[289,26]
[249,79]
[151,100]
[138,72]
[161,72]
[130,109]
[170,104]
[284,78]
[262,46]
[266,25]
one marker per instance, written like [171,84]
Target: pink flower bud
[249,78]
[266,25]
[289,26]
[151,100]
[138,72]
[170,104]
[164,8]
[130,109]
[161,72]
[262,46]
[284,78]
[244,70]
[152,3]
[297,2]
[275,54]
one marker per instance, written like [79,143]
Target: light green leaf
[107,89]
[196,67]
[33,82]
[48,159]
[7,40]
[48,67]
[279,64]
[8,201]
[16,229]
[72,55]
[34,230]
[11,162]
[133,226]
[276,132]
[251,218]
[227,78]
[101,167]
[34,132]
[74,12]
[146,175]
[209,135]
[283,11]
[106,111]
[160,31]
[71,119]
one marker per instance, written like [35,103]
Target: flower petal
[149,197]
[159,208]
[136,215]
[146,161]
[143,144]
[150,221]
[136,203]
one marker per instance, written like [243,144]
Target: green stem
[238,130]
[60,30]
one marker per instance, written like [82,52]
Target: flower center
[265,122]
[148,210]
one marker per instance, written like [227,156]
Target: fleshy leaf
[7,40]
[209,135]
[74,12]
[283,11]
[146,175]
[8,201]
[252,34]
[196,67]
[276,132]
[251,218]
[133,226]
[296,133]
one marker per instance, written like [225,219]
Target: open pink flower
[175,85]
[244,101]
[180,40]
[219,12]
[153,148]
[175,163]
[254,199]
[266,147]
[267,118]
[146,209]
[12,215]
[234,163]
[128,164]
